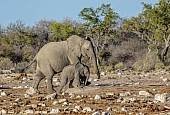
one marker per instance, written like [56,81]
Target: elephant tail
[23,69]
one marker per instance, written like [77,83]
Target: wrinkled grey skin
[74,75]
[54,56]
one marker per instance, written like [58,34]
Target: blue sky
[32,11]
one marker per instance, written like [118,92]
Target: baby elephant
[74,75]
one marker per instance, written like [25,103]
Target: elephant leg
[38,77]
[76,81]
[64,80]
[50,89]
[48,72]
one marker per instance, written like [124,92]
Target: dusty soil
[121,87]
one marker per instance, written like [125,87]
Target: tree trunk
[165,50]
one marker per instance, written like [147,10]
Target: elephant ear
[74,44]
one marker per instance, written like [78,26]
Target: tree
[99,23]
[153,25]
[61,30]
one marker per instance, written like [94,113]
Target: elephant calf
[74,75]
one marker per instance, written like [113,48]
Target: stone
[102,73]
[29,111]
[109,109]
[87,109]
[3,112]
[124,109]
[62,100]
[124,94]
[55,102]
[110,94]
[72,95]
[75,110]
[51,96]
[95,80]
[34,105]
[27,95]
[18,100]
[96,113]
[42,104]
[65,103]
[78,108]
[97,97]
[145,93]
[162,97]
[165,79]
[3,94]
[55,110]
[31,91]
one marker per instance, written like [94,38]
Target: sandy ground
[119,94]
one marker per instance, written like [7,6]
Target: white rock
[65,103]
[27,96]
[75,110]
[51,96]
[87,109]
[103,73]
[78,96]
[125,94]
[18,100]
[110,93]
[109,109]
[44,112]
[31,91]
[42,104]
[72,95]
[78,108]
[55,110]
[124,109]
[145,93]
[55,102]
[119,100]
[97,97]
[4,112]
[29,111]
[62,100]
[95,80]
[132,99]
[162,97]
[165,79]
[3,94]
[96,113]
[126,100]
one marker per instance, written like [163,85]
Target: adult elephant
[54,56]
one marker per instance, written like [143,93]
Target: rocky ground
[126,93]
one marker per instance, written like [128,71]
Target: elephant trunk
[94,60]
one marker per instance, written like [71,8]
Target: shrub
[119,66]
[5,63]
[149,62]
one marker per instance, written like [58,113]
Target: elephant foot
[32,91]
